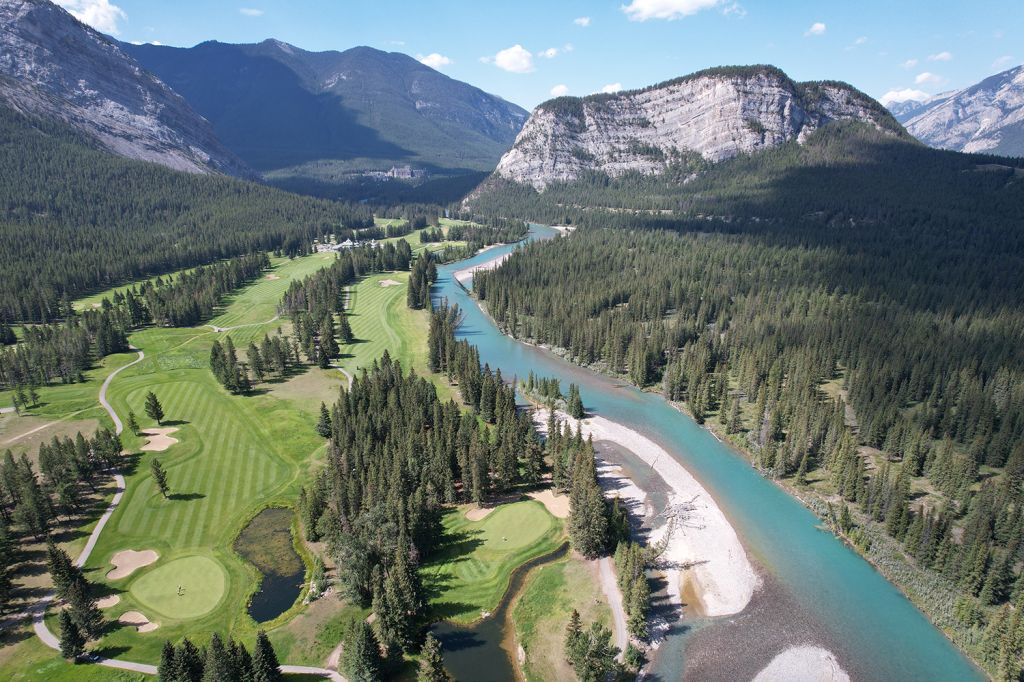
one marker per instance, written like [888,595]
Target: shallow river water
[816,590]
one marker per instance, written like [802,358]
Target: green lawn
[234,456]
[470,572]
[541,615]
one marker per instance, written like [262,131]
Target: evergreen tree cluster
[591,652]
[220,661]
[84,620]
[61,351]
[323,292]
[631,562]
[423,274]
[66,233]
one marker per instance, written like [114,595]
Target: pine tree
[264,661]
[188,662]
[345,329]
[159,476]
[154,409]
[361,659]
[323,427]
[432,663]
[83,609]
[133,424]
[167,671]
[575,645]
[217,664]
[62,571]
[72,643]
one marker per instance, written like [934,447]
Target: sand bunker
[127,561]
[390,283]
[158,440]
[557,505]
[479,513]
[108,601]
[139,620]
[272,277]
[803,664]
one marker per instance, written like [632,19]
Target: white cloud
[582,21]
[903,96]
[941,57]
[99,14]
[434,60]
[927,77]
[553,52]
[817,29]
[611,88]
[734,10]
[642,10]
[1003,62]
[251,11]
[909,64]
[560,90]
[515,59]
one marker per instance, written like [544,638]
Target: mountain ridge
[52,65]
[987,116]
[279,106]
[713,114]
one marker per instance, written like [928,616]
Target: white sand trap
[158,440]
[479,513]
[557,505]
[139,620]
[127,561]
[803,664]
[273,277]
[390,283]
[108,601]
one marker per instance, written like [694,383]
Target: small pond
[266,543]
[478,652]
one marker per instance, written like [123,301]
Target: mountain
[714,114]
[53,66]
[986,117]
[280,107]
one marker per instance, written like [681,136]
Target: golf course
[166,566]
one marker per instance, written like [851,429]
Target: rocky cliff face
[986,117]
[53,66]
[717,114]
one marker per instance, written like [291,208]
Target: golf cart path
[610,587]
[38,611]
[217,329]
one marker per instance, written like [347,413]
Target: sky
[531,50]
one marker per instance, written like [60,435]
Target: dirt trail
[610,587]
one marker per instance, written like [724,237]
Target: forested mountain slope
[53,66]
[774,291]
[74,218]
[278,106]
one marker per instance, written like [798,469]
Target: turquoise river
[876,633]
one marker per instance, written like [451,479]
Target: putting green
[201,581]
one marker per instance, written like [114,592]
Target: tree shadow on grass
[129,464]
[106,651]
[175,422]
[185,497]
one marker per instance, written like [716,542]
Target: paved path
[118,426]
[610,587]
[215,328]
[38,611]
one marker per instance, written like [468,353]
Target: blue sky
[528,50]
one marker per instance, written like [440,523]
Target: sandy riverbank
[803,664]
[703,548]
[466,274]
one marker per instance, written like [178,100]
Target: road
[610,587]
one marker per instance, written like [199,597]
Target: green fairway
[185,588]
[471,570]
